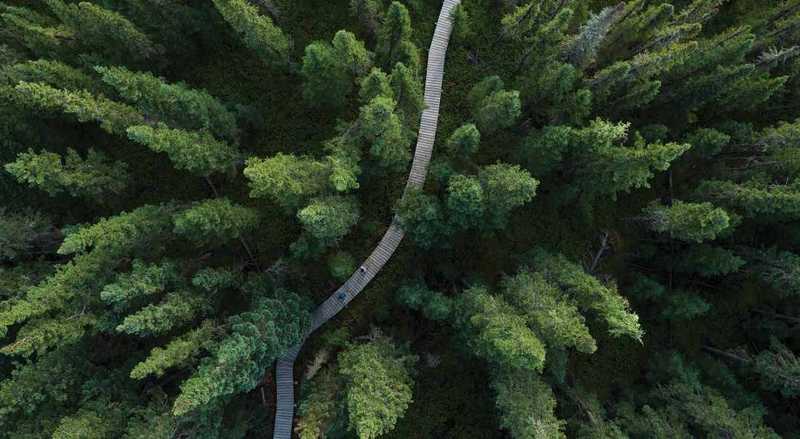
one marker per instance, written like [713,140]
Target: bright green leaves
[288,180]
[142,281]
[754,199]
[464,141]
[215,221]
[113,117]
[177,104]
[95,177]
[598,161]
[120,235]
[52,73]
[506,188]
[195,151]
[692,222]
[104,32]
[394,39]
[498,333]
[156,319]
[556,319]
[494,108]
[257,32]
[256,339]
[329,71]
[465,201]
[378,386]
[328,219]
[588,292]
[526,405]
[382,128]
[422,218]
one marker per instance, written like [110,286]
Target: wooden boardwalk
[284,369]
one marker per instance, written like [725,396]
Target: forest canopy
[607,244]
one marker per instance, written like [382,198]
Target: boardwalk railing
[284,369]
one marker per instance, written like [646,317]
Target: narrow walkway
[284,369]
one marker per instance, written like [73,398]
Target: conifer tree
[257,337]
[526,405]
[329,70]
[464,141]
[369,13]
[378,386]
[113,117]
[328,219]
[493,107]
[176,104]
[394,39]
[215,221]
[195,151]
[257,32]
[287,180]
[382,128]
[53,73]
[25,234]
[687,221]
[94,177]
[104,32]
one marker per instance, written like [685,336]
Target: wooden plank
[284,368]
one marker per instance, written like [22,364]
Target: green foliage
[155,319]
[556,319]
[754,199]
[589,292]
[595,161]
[375,84]
[329,70]
[52,73]
[341,265]
[181,351]
[465,201]
[382,128]
[288,180]
[257,32]
[708,142]
[421,216]
[378,386]
[142,281]
[369,13]
[492,107]
[215,221]
[194,151]
[113,117]
[434,305]
[394,39]
[498,333]
[104,32]
[464,141]
[176,104]
[95,177]
[407,90]
[693,222]
[710,261]
[21,234]
[329,219]
[526,405]
[257,337]
[779,270]
[779,369]
[506,187]
[320,406]
[684,305]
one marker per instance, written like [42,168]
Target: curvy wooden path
[284,369]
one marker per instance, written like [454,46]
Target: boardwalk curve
[284,369]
